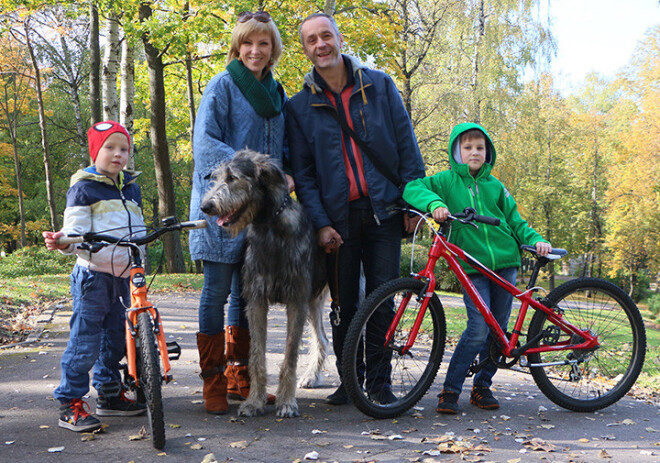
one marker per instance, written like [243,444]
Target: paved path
[525,429]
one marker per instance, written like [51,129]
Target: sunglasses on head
[261,16]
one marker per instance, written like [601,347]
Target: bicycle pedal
[168,378]
[173,350]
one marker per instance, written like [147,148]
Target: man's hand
[410,223]
[50,239]
[543,249]
[440,214]
[329,239]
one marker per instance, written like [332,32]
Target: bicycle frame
[451,253]
[139,304]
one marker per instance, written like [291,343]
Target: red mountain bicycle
[584,346]
[145,338]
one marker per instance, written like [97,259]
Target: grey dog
[283,264]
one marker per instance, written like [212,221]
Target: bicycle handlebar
[469,215]
[99,237]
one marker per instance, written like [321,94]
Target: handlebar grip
[72,239]
[194,224]
[486,219]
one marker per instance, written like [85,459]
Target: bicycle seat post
[540,263]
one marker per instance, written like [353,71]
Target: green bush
[654,305]
[35,260]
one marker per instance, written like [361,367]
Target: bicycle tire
[408,377]
[150,379]
[605,374]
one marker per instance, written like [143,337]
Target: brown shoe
[212,362]
[237,374]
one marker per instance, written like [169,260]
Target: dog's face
[239,188]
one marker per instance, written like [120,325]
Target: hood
[455,154]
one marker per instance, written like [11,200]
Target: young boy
[469,184]
[101,197]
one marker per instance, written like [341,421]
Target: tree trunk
[474,83]
[94,64]
[75,101]
[166,203]
[110,59]
[50,196]
[329,7]
[19,177]
[127,95]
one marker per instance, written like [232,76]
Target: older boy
[470,184]
[101,198]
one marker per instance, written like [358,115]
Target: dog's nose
[206,207]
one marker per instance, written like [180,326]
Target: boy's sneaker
[447,403]
[74,417]
[119,406]
[482,397]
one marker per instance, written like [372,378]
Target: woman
[241,107]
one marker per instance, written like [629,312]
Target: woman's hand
[50,238]
[290,183]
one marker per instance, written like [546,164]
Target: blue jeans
[476,337]
[378,249]
[97,337]
[221,281]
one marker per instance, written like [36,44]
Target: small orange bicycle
[145,338]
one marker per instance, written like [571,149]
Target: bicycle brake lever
[91,247]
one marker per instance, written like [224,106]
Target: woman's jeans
[476,338]
[221,281]
[97,339]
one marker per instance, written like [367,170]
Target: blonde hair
[243,30]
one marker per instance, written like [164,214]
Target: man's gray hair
[318,15]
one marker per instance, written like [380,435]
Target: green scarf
[263,95]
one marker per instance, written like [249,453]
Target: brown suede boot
[212,362]
[238,353]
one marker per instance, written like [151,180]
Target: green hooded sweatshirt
[456,189]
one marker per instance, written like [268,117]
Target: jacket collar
[361,80]
[90,173]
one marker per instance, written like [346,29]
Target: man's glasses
[261,16]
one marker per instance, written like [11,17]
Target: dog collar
[285,202]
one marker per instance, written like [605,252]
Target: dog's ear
[270,175]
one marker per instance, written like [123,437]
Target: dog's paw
[250,409]
[288,410]
[309,382]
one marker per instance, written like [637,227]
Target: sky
[597,35]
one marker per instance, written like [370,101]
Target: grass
[24,295]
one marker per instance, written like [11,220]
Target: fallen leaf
[537,444]
[44,426]
[174,426]
[312,455]
[241,444]
[604,454]
[649,429]
[142,434]
[395,437]
[209,458]
[87,437]
[9,442]
[584,441]
[55,449]
[196,447]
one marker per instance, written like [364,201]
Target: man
[346,195]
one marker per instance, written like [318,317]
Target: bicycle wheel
[393,382]
[602,375]
[150,379]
